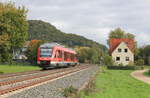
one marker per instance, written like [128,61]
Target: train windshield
[45,52]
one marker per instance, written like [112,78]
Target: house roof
[115,42]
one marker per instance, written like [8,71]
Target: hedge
[125,67]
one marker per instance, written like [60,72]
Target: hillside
[41,30]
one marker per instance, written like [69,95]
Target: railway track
[26,76]
[18,74]
[7,86]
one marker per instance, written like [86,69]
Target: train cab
[55,55]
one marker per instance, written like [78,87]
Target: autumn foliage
[32,50]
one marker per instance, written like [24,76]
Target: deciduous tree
[89,55]
[119,33]
[144,53]
[13,26]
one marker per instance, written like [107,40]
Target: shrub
[90,87]
[0,58]
[70,92]
[120,64]
[131,63]
[125,67]
[139,62]
[108,61]
[1,72]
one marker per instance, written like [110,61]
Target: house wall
[123,54]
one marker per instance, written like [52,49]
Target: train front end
[44,56]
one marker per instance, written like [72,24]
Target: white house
[122,54]
[122,51]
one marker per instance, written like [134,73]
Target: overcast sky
[93,19]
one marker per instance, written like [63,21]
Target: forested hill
[41,30]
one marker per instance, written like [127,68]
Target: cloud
[93,19]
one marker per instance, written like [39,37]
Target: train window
[72,57]
[65,56]
[56,54]
[45,52]
[59,54]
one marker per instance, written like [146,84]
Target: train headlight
[38,62]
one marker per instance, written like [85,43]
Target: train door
[59,57]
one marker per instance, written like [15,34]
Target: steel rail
[63,73]
[18,74]
[34,76]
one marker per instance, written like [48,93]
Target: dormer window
[125,50]
[119,50]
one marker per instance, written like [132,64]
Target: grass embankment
[118,84]
[16,68]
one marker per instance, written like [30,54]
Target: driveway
[139,75]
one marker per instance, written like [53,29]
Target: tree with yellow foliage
[13,30]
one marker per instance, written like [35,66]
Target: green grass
[147,74]
[16,68]
[118,84]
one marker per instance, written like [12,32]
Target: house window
[127,59]
[117,58]
[119,50]
[125,50]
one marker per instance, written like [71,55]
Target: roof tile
[114,42]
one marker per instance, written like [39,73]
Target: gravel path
[139,75]
[55,88]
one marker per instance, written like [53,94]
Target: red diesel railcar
[55,55]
